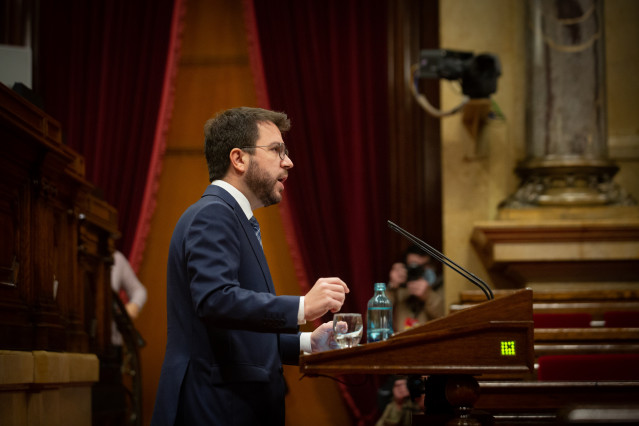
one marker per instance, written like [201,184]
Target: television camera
[478,73]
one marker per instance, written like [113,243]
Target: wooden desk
[494,337]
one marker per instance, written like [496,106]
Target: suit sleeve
[290,349]
[228,286]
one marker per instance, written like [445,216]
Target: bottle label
[379,324]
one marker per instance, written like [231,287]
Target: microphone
[445,260]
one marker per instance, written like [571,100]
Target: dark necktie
[256,228]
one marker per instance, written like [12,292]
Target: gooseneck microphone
[443,259]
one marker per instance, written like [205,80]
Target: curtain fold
[152,183]
[325,65]
[259,81]
[103,76]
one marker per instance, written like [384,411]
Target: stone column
[567,162]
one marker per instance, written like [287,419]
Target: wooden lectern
[494,338]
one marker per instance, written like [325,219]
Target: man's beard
[262,185]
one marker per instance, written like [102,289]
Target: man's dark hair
[235,128]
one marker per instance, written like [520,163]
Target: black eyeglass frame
[282,151]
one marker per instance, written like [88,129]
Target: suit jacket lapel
[248,231]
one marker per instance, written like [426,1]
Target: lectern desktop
[493,338]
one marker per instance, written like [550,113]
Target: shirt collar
[237,195]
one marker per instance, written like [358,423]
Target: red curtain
[101,69]
[325,65]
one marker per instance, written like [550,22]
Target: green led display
[508,348]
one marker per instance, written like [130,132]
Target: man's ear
[239,160]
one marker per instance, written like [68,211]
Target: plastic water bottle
[379,316]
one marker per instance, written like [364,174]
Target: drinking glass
[347,329]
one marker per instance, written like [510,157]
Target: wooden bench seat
[561,295]
[532,401]
[552,341]
[589,367]
[594,302]
[545,402]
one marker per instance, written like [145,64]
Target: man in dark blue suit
[228,333]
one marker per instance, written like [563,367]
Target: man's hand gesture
[327,294]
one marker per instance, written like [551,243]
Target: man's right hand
[327,294]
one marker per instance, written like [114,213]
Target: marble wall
[479,174]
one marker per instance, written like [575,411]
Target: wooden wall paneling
[44,193]
[15,323]
[98,230]
[204,89]
[55,256]
[47,188]
[30,143]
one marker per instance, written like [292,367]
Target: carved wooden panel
[56,239]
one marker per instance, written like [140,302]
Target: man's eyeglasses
[279,148]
